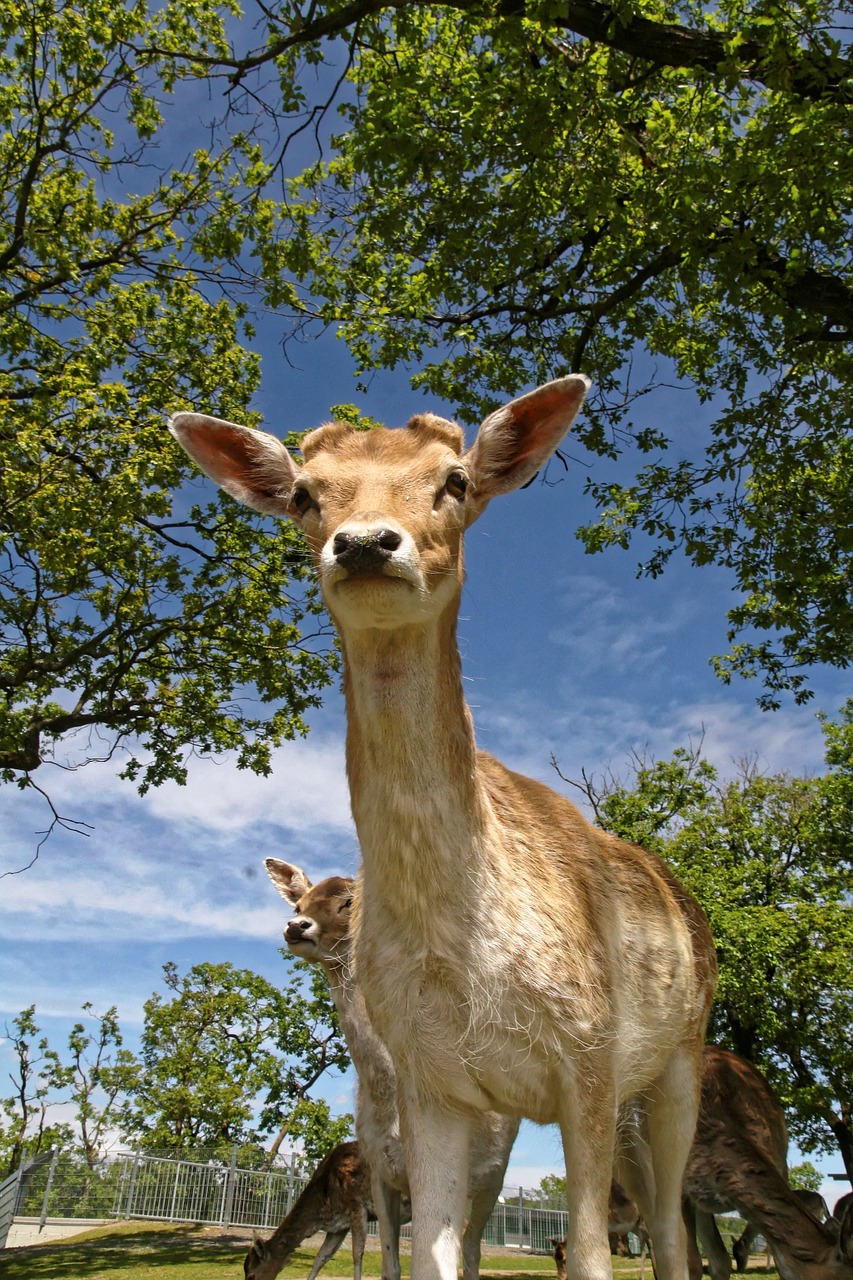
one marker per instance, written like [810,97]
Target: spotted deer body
[511,956]
[738,1162]
[320,932]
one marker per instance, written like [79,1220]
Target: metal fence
[227,1193]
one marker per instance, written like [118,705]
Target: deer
[738,1162]
[320,933]
[512,956]
[812,1201]
[623,1217]
[337,1200]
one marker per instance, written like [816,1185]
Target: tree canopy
[229,1057]
[769,858]
[130,622]
[652,191]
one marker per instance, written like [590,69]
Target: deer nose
[296,928]
[365,550]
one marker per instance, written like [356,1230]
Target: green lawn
[162,1251]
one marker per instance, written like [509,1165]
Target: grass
[162,1251]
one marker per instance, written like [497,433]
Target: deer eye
[302,500]
[456,484]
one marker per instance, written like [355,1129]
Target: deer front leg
[672,1105]
[435,1144]
[387,1203]
[327,1250]
[719,1260]
[588,1127]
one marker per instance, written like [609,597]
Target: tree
[804,1175]
[93,1078]
[133,623]
[98,1076]
[229,1058]
[769,859]
[36,1075]
[654,193]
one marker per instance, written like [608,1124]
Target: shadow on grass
[143,1250]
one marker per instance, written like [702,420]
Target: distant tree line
[226,1058]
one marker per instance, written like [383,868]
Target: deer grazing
[812,1201]
[623,1217]
[336,1200]
[738,1162]
[320,932]
[511,956]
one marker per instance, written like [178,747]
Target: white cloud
[595,731]
[307,787]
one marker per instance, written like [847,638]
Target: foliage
[132,622]
[552,1189]
[97,1076]
[769,858]
[656,193]
[93,1077]
[229,1057]
[805,1176]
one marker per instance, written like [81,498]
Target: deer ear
[515,441]
[253,466]
[290,881]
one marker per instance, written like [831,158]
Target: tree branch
[810,74]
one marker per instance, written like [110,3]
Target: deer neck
[411,753]
[302,1221]
[369,1054]
[802,1246]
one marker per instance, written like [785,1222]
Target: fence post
[228,1195]
[290,1179]
[51,1172]
[132,1188]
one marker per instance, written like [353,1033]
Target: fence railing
[216,1191]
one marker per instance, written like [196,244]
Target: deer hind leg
[327,1250]
[482,1204]
[671,1109]
[435,1145]
[588,1127]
